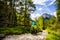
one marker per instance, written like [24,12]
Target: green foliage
[52,23]
[39,23]
[7,30]
[58,14]
[9,17]
[58,4]
[55,25]
[53,36]
[7,14]
[20,19]
[58,19]
[47,24]
[24,15]
[13,30]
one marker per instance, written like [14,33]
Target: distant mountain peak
[46,16]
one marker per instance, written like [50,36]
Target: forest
[15,19]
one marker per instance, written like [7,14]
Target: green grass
[53,36]
[13,30]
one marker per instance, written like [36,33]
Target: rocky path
[39,36]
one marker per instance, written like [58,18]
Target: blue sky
[43,6]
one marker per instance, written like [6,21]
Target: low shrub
[52,35]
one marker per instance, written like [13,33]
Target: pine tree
[8,16]
[58,13]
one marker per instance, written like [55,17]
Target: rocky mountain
[46,16]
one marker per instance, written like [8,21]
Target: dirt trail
[29,36]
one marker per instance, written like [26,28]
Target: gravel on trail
[28,36]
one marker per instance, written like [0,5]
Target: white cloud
[40,9]
[32,16]
[35,16]
[39,2]
[54,13]
[52,2]
[42,2]
[43,9]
